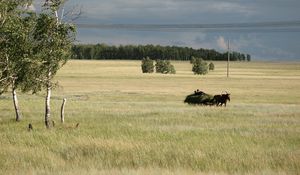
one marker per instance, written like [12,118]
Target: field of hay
[134,123]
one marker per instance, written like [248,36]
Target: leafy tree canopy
[164,67]
[200,67]
[147,65]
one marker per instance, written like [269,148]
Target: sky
[267,44]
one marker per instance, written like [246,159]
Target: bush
[200,66]
[147,65]
[211,66]
[192,60]
[164,67]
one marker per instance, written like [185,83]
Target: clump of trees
[33,47]
[248,57]
[164,67]
[161,66]
[137,52]
[147,65]
[211,66]
[200,67]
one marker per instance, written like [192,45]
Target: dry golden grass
[134,123]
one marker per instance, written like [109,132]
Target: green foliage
[211,66]
[200,66]
[137,52]
[52,47]
[192,60]
[33,47]
[16,25]
[53,5]
[53,41]
[147,65]
[164,67]
[248,57]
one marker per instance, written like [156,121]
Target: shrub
[211,66]
[164,67]
[147,65]
[192,60]
[200,66]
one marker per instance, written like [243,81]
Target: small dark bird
[77,125]
[30,127]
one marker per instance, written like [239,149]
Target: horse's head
[226,96]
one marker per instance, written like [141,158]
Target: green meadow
[133,123]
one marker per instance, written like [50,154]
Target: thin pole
[228,58]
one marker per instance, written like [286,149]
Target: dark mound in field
[199,99]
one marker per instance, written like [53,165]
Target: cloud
[259,46]
[263,45]
[227,7]
[221,43]
[167,11]
[117,37]
[275,52]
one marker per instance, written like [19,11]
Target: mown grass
[133,123]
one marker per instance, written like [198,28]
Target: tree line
[138,52]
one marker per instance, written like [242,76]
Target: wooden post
[62,114]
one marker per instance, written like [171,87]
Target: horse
[221,99]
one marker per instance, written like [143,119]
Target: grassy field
[134,123]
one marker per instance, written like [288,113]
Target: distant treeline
[138,52]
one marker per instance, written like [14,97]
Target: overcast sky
[266,44]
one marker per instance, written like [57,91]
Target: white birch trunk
[16,105]
[47,102]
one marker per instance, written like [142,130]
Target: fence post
[62,114]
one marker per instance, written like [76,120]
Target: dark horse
[221,99]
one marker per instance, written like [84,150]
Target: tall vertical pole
[228,58]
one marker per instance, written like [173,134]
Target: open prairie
[134,123]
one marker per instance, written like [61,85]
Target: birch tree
[15,47]
[53,41]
